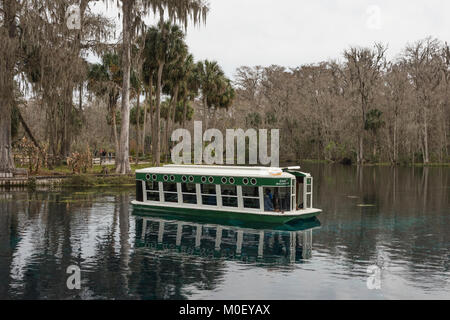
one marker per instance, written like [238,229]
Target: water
[395,221]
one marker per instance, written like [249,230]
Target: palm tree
[227,96]
[175,74]
[155,64]
[138,86]
[165,45]
[189,85]
[216,89]
[149,71]
[180,10]
[105,80]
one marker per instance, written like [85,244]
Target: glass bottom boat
[256,194]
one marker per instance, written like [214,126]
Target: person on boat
[268,201]
[285,202]
[276,201]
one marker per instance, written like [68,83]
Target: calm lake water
[384,234]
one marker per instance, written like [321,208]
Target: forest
[67,94]
[360,107]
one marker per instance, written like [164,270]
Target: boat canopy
[296,173]
[227,175]
[263,172]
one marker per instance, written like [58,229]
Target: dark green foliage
[133,116]
[374,120]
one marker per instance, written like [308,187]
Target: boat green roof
[224,175]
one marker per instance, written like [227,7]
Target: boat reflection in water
[228,240]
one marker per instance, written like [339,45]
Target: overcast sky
[295,32]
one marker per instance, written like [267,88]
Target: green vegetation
[98,181]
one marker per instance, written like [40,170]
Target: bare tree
[424,63]
[364,67]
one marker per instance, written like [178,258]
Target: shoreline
[61,178]
[71,181]
[377,164]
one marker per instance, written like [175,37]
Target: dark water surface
[385,228]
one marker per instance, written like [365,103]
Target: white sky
[295,32]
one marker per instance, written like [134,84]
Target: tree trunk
[158,115]
[67,122]
[6,158]
[184,113]
[138,124]
[144,126]
[374,149]
[164,139]
[28,131]
[116,138]
[205,114]
[175,104]
[171,122]
[395,140]
[152,124]
[80,101]
[214,117]
[7,63]
[123,155]
[360,149]
[165,145]
[425,138]
[444,123]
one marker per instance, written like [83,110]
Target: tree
[424,63]
[174,74]
[165,46]
[105,80]
[212,85]
[364,67]
[397,90]
[373,123]
[181,11]
[149,70]
[38,48]
[137,85]
[190,86]
[9,37]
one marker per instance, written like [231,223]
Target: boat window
[284,198]
[139,191]
[300,195]
[188,188]
[229,196]
[189,193]
[152,189]
[170,187]
[152,186]
[250,191]
[209,197]
[277,199]
[170,192]
[208,188]
[250,195]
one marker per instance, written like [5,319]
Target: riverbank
[77,180]
[104,176]
[381,164]
[61,176]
